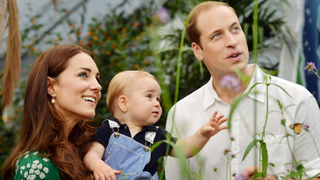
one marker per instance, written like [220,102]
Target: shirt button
[125,127]
[235,119]
[235,148]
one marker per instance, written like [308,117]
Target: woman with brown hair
[61,95]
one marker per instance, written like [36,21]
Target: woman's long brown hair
[42,125]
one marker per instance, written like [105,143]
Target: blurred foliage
[122,41]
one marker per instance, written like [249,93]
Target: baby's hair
[121,84]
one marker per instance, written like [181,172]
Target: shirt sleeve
[306,147]
[164,135]
[32,166]
[103,134]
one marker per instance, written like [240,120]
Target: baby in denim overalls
[122,147]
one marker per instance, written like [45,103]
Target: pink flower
[232,138]
[305,126]
[163,15]
[215,168]
[230,82]
[234,174]
[241,176]
[226,151]
[310,66]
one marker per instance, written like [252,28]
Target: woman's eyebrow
[87,69]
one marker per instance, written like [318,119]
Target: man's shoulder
[289,86]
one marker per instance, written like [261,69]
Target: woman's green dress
[31,166]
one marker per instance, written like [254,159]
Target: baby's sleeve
[103,134]
[163,136]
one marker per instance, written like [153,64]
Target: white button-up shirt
[248,120]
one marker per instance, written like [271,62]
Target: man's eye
[216,35]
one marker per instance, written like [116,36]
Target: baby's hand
[212,127]
[105,172]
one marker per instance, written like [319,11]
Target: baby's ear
[123,103]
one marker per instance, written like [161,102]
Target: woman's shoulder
[32,165]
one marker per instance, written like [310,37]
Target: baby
[122,147]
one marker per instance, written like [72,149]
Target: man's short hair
[192,30]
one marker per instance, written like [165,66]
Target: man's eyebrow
[235,23]
[218,30]
[214,32]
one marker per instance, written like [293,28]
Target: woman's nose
[95,86]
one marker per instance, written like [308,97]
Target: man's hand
[249,172]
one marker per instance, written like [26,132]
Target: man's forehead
[216,14]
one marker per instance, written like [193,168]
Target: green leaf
[279,104]
[249,147]
[265,157]
[283,122]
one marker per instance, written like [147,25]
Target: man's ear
[197,51]
[123,103]
[50,86]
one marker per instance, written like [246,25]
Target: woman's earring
[52,100]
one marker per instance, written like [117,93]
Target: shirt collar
[146,128]
[210,95]
[259,91]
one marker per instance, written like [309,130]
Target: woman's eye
[98,79]
[84,75]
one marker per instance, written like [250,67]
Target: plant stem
[315,72]
[255,60]
[314,143]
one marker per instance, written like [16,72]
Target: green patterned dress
[31,166]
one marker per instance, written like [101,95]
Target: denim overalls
[129,156]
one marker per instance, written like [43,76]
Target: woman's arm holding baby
[193,144]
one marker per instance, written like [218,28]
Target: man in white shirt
[280,108]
